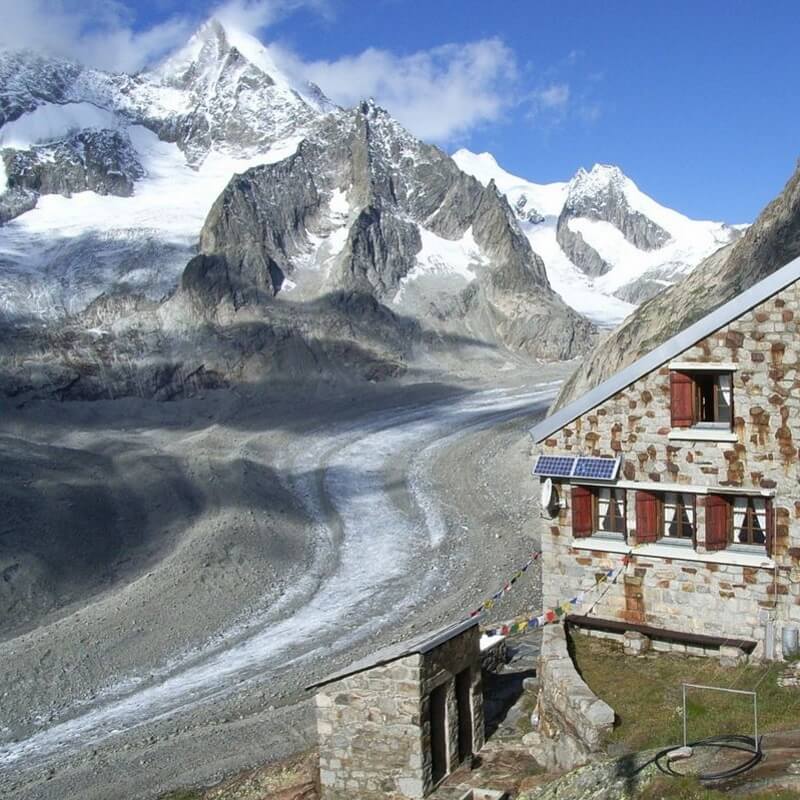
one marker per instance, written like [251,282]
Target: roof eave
[665,352]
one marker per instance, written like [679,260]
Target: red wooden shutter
[582,507]
[647,516]
[718,522]
[681,399]
[770,533]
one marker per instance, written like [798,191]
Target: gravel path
[301,546]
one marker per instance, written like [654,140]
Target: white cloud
[246,15]
[253,16]
[96,32]
[439,94]
[554,96]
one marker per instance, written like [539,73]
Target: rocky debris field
[233,548]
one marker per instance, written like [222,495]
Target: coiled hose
[746,744]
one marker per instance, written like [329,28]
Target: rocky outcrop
[770,243]
[101,161]
[601,195]
[15,202]
[28,79]
[643,288]
[527,212]
[255,228]
[233,102]
[382,251]
[581,254]
[267,223]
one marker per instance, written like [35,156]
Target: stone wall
[374,727]
[495,655]
[571,720]
[722,593]
[369,731]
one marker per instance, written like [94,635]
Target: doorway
[438,710]
[464,706]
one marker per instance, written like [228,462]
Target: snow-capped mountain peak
[606,244]
[600,178]
[216,54]
[525,196]
[207,47]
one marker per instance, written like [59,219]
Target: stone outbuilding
[681,472]
[396,723]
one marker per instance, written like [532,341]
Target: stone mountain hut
[396,723]
[684,467]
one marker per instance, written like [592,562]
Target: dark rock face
[383,250]
[102,161]
[262,223]
[28,79]
[578,251]
[526,212]
[252,232]
[15,202]
[771,242]
[600,195]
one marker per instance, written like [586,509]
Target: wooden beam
[664,634]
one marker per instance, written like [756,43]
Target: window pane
[705,397]
[749,520]
[688,504]
[685,517]
[678,515]
[724,397]
[618,510]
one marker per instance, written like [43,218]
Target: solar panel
[554,466]
[600,469]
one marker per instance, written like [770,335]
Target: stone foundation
[571,720]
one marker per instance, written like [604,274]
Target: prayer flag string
[489,602]
[524,623]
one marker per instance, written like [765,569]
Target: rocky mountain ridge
[207,222]
[606,245]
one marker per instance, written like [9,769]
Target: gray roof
[423,643]
[665,352]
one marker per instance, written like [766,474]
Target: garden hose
[746,744]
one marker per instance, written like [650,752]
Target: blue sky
[695,101]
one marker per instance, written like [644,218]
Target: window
[713,398]
[598,510]
[730,520]
[701,399]
[665,516]
[610,511]
[738,520]
[678,516]
[749,520]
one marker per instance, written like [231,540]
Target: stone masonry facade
[374,727]
[722,594]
